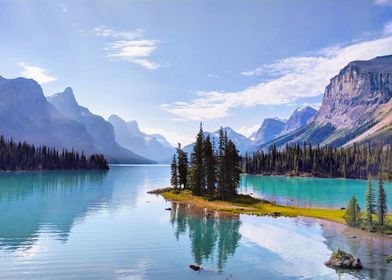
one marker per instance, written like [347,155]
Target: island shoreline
[248,205]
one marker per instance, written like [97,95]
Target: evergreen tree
[382,201]
[233,168]
[182,167]
[197,170]
[174,172]
[353,213]
[210,166]
[222,164]
[370,204]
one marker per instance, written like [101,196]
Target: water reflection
[211,234]
[34,201]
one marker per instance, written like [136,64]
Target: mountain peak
[67,97]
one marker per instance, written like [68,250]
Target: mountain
[300,118]
[153,146]
[242,143]
[356,103]
[26,115]
[101,131]
[269,130]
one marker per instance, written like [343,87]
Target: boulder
[341,259]
[195,267]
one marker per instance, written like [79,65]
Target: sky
[171,64]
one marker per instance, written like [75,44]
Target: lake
[310,192]
[104,225]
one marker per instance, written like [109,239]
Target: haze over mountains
[153,146]
[356,107]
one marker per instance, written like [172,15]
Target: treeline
[211,171]
[17,156]
[356,161]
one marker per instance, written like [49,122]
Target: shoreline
[248,205]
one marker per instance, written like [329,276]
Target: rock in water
[195,267]
[341,259]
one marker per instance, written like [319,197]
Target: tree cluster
[212,172]
[356,161]
[353,211]
[16,156]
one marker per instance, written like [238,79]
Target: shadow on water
[30,201]
[212,235]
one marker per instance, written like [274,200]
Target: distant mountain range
[100,131]
[356,107]
[153,146]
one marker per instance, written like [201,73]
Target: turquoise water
[103,225]
[310,192]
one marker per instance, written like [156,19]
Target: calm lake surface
[310,192]
[103,225]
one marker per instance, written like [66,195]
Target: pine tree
[370,204]
[197,169]
[353,212]
[382,201]
[233,168]
[210,166]
[222,164]
[182,167]
[174,172]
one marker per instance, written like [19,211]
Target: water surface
[103,225]
[310,192]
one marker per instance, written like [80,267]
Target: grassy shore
[246,204]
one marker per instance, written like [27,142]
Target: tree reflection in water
[211,233]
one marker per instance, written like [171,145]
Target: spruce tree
[353,213]
[382,201]
[182,167]
[196,171]
[210,167]
[222,164]
[174,172]
[370,204]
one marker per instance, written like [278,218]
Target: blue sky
[170,64]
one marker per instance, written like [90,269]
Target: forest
[18,156]
[356,161]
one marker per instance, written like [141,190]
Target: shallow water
[103,225]
[310,192]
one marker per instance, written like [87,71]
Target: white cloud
[297,77]
[129,46]
[383,2]
[255,72]
[36,73]
[212,76]
[388,28]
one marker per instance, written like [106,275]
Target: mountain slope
[26,115]
[98,128]
[129,135]
[269,129]
[299,118]
[350,105]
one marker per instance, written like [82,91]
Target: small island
[211,180]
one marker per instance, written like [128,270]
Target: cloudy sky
[170,64]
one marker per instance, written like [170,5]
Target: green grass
[245,204]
